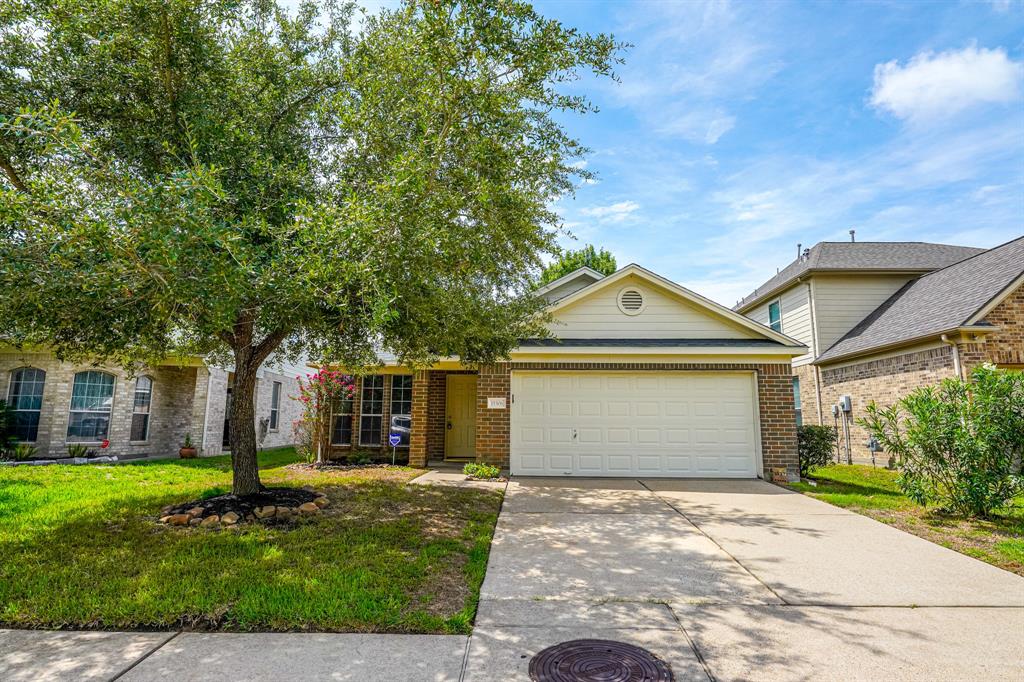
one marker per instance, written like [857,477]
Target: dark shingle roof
[866,256]
[937,302]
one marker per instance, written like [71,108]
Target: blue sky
[739,129]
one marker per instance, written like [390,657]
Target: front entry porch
[461,425]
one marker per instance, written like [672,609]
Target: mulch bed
[247,504]
[338,466]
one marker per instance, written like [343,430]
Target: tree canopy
[587,257]
[182,177]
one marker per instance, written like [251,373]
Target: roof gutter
[967,333]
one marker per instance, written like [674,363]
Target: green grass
[874,492]
[79,548]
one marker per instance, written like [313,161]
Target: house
[57,404]
[639,377]
[883,318]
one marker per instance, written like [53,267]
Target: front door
[460,417]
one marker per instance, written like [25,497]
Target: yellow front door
[460,418]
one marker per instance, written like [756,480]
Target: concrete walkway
[725,580]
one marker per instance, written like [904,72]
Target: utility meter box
[845,404]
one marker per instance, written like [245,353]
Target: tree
[587,257]
[958,445]
[218,177]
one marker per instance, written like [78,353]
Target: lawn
[874,492]
[79,549]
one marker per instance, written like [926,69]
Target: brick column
[418,437]
[778,423]
[198,427]
[493,426]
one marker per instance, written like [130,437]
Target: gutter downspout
[956,356]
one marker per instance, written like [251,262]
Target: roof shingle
[934,303]
[865,256]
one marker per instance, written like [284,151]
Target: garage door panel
[622,424]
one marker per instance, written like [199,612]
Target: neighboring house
[640,377]
[57,404]
[883,318]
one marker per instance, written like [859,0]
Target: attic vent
[631,301]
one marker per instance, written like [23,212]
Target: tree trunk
[244,465]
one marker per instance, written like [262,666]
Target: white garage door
[633,424]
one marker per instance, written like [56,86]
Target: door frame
[470,397]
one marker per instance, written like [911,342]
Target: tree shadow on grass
[355,568]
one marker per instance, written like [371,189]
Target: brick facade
[775,404]
[885,380]
[808,394]
[185,400]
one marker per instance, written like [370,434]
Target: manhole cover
[598,660]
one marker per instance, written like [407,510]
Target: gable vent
[631,301]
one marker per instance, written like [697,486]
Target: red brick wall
[775,403]
[420,408]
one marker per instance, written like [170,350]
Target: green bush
[22,452]
[79,450]
[360,457]
[957,445]
[478,470]
[816,446]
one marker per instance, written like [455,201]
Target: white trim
[682,292]
[565,279]
[758,447]
[688,351]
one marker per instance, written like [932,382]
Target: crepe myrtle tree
[224,177]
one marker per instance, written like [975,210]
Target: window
[91,400]
[25,397]
[140,408]
[401,407]
[796,402]
[775,316]
[341,421]
[275,405]
[371,410]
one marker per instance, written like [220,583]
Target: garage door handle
[574,434]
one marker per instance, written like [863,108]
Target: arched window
[25,398]
[91,400]
[140,408]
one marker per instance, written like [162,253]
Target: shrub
[79,450]
[816,446]
[957,445]
[360,457]
[22,452]
[478,470]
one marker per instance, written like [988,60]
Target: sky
[737,130]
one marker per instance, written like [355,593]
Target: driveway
[725,580]
[733,580]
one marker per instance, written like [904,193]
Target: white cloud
[938,85]
[613,213]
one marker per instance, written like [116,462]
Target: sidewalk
[37,655]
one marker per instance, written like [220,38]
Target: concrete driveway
[735,580]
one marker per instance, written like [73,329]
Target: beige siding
[665,316]
[841,301]
[795,310]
